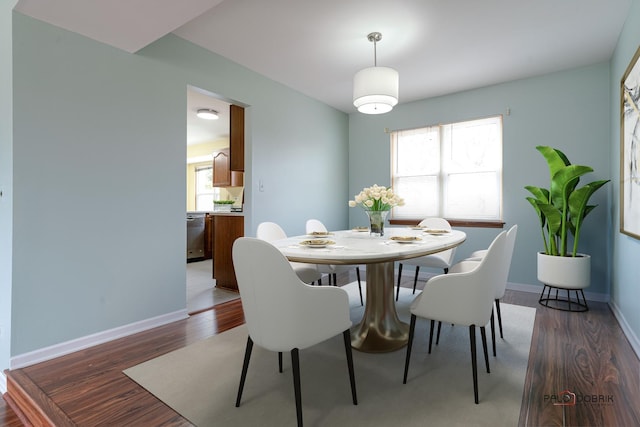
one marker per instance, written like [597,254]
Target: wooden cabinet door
[226,230]
[208,236]
[221,170]
[236,137]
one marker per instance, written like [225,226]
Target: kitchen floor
[201,291]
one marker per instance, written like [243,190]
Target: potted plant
[223,205]
[561,210]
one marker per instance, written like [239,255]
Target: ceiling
[438,47]
[199,130]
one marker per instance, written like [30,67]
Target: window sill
[454,223]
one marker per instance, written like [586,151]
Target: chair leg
[245,367]
[330,277]
[412,328]
[399,277]
[352,378]
[438,333]
[493,332]
[415,278]
[431,334]
[280,361]
[335,279]
[359,285]
[319,282]
[499,317]
[295,362]
[483,334]
[474,366]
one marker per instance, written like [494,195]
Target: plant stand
[560,303]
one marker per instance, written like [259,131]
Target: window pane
[205,192]
[417,152]
[420,196]
[204,176]
[204,202]
[472,196]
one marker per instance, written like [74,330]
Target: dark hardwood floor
[584,353]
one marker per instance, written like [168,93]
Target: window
[452,171]
[205,192]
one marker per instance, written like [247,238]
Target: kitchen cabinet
[228,163]
[226,229]
[236,138]
[221,169]
[208,236]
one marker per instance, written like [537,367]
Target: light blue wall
[568,110]
[625,290]
[6,181]
[99,160]
[296,146]
[98,216]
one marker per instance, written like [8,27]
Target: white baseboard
[57,350]
[3,383]
[626,329]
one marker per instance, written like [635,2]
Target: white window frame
[444,170]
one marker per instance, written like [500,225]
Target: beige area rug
[201,381]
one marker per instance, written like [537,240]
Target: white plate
[405,239]
[360,229]
[318,234]
[435,232]
[316,243]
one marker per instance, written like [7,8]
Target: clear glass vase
[376,222]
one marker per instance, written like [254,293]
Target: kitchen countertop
[215,213]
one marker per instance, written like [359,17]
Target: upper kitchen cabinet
[221,169]
[236,138]
[228,163]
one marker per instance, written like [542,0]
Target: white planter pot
[565,272]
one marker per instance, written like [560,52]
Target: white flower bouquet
[376,198]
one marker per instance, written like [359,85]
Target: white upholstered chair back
[281,311]
[315,225]
[464,298]
[270,231]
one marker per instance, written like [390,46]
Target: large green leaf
[541,194]
[554,224]
[556,159]
[564,181]
[578,208]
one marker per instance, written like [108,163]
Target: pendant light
[375,89]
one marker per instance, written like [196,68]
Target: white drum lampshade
[375,90]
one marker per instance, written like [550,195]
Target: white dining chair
[461,298]
[501,284]
[270,231]
[284,314]
[331,270]
[442,260]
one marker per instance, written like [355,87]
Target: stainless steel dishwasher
[195,236]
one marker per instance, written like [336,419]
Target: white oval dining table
[380,329]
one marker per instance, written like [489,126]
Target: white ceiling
[199,130]
[438,47]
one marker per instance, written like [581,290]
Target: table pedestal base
[380,329]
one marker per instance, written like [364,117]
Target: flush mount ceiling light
[375,89]
[207,114]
